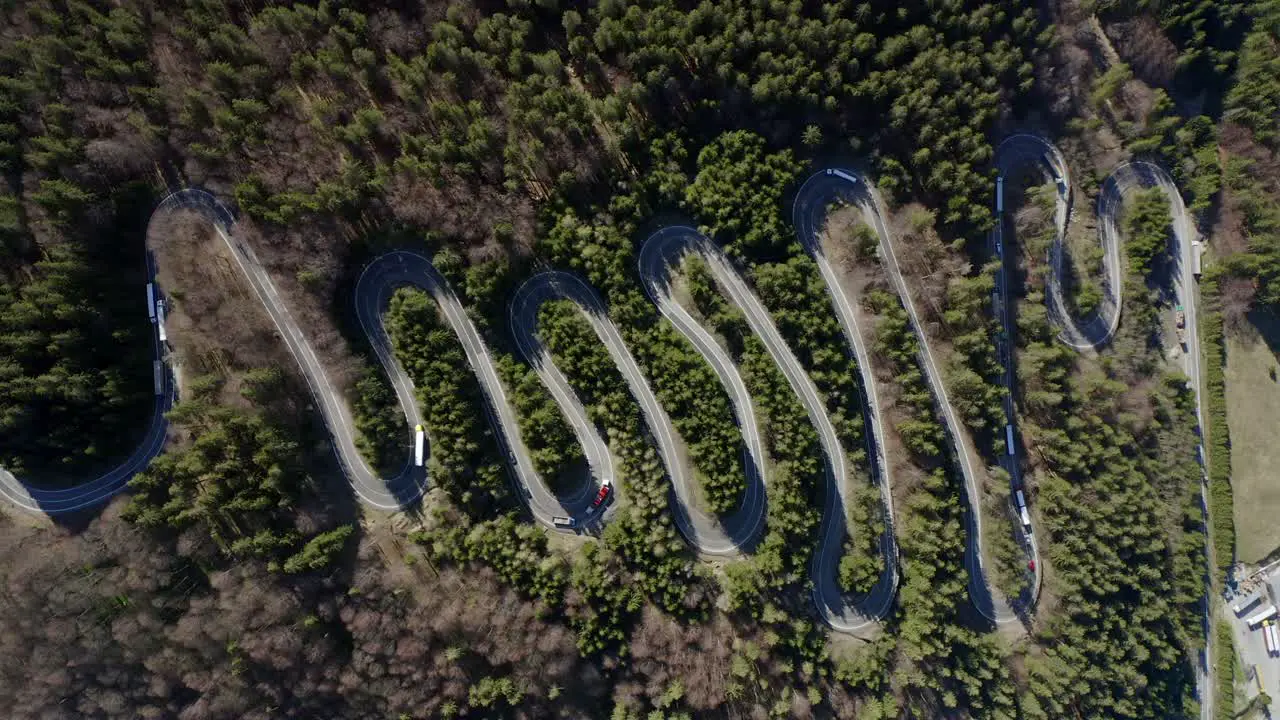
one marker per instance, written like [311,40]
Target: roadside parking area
[1250,608]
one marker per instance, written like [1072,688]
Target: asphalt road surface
[808,214]
[394,270]
[657,256]
[1123,182]
[1032,152]
[1090,335]
[389,494]
[384,493]
[864,195]
[663,250]
[32,497]
[702,531]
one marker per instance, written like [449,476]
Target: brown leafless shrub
[109,623]
[1143,45]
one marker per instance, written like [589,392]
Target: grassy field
[1253,414]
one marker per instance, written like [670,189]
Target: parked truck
[1257,618]
[1245,603]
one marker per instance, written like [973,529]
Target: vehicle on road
[151,301]
[567,523]
[1058,180]
[602,497]
[1021,500]
[1180,319]
[419,444]
[164,337]
[844,175]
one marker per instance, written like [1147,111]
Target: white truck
[843,175]
[1244,604]
[1265,613]
[565,523]
[1022,510]
[158,373]
[999,199]
[1058,180]
[164,337]
[419,445]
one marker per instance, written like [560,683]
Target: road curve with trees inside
[1124,181]
[820,191]
[660,253]
[33,497]
[394,270]
[808,215]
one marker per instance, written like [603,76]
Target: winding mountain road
[823,188]
[660,253]
[702,531]
[1033,152]
[716,536]
[1124,181]
[808,215]
[391,493]
[400,268]
[1025,150]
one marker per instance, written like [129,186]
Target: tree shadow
[1266,326]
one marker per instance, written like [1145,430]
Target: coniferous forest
[240,577]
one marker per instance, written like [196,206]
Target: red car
[601,496]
